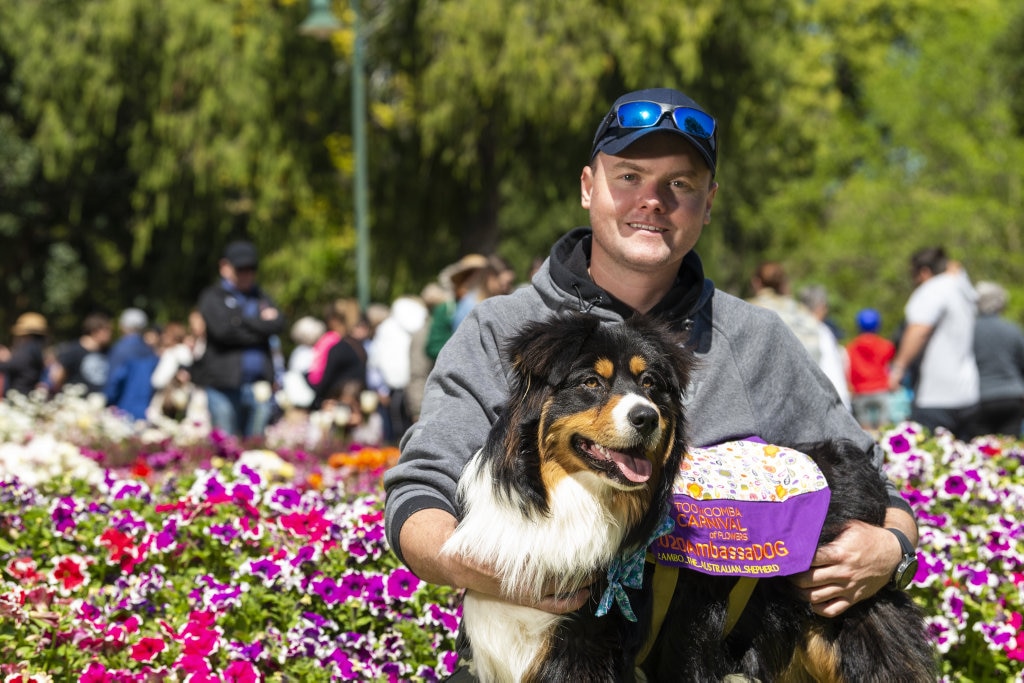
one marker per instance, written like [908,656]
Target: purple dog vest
[745,508]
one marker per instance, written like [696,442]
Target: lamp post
[321,23]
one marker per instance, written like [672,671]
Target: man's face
[244,279]
[648,204]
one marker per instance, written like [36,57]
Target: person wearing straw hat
[23,364]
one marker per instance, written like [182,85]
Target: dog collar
[627,571]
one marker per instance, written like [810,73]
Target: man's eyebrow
[631,165]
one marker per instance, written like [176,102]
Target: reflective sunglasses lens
[639,114]
[696,123]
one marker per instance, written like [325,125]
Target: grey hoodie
[753,377]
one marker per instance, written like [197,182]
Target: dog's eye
[592,382]
[649,381]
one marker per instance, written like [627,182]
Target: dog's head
[600,403]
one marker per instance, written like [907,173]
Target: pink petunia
[146,649]
[94,673]
[241,672]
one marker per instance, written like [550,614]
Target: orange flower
[365,458]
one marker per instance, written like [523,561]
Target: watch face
[905,572]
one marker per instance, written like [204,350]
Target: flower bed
[969,500]
[173,554]
[201,561]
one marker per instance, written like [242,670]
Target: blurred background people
[130,344]
[174,389]
[338,358]
[238,369]
[83,361]
[389,356]
[940,317]
[24,363]
[999,351]
[771,290]
[296,393]
[132,360]
[833,360]
[869,356]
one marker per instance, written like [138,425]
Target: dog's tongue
[637,470]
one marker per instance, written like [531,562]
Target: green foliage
[936,161]
[142,136]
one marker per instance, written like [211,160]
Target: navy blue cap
[611,139]
[242,254]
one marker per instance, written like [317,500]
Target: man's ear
[586,185]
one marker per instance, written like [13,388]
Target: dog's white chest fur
[528,553]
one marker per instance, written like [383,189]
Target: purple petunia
[329,590]
[402,584]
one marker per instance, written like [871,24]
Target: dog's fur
[882,639]
[545,503]
[544,500]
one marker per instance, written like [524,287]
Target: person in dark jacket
[999,351]
[238,369]
[23,364]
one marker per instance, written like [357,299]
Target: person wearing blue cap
[870,355]
[648,187]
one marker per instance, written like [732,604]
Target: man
[240,320]
[83,361]
[940,316]
[649,190]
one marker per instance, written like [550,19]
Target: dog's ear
[545,350]
[670,345]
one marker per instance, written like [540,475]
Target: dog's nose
[644,418]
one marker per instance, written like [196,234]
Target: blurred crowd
[955,361]
[238,366]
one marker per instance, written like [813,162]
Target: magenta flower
[898,444]
[955,485]
[147,648]
[329,591]
[241,672]
[94,673]
[402,584]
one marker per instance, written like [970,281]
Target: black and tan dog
[575,474]
[574,481]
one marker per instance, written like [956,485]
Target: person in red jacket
[870,355]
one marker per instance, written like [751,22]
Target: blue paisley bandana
[627,571]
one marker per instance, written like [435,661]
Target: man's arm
[912,343]
[856,565]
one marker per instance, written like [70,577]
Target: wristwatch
[907,566]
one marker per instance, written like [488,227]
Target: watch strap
[905,544]
[903,574]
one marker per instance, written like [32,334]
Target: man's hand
[854,566]
[426,531]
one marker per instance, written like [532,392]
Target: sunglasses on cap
[644,114]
